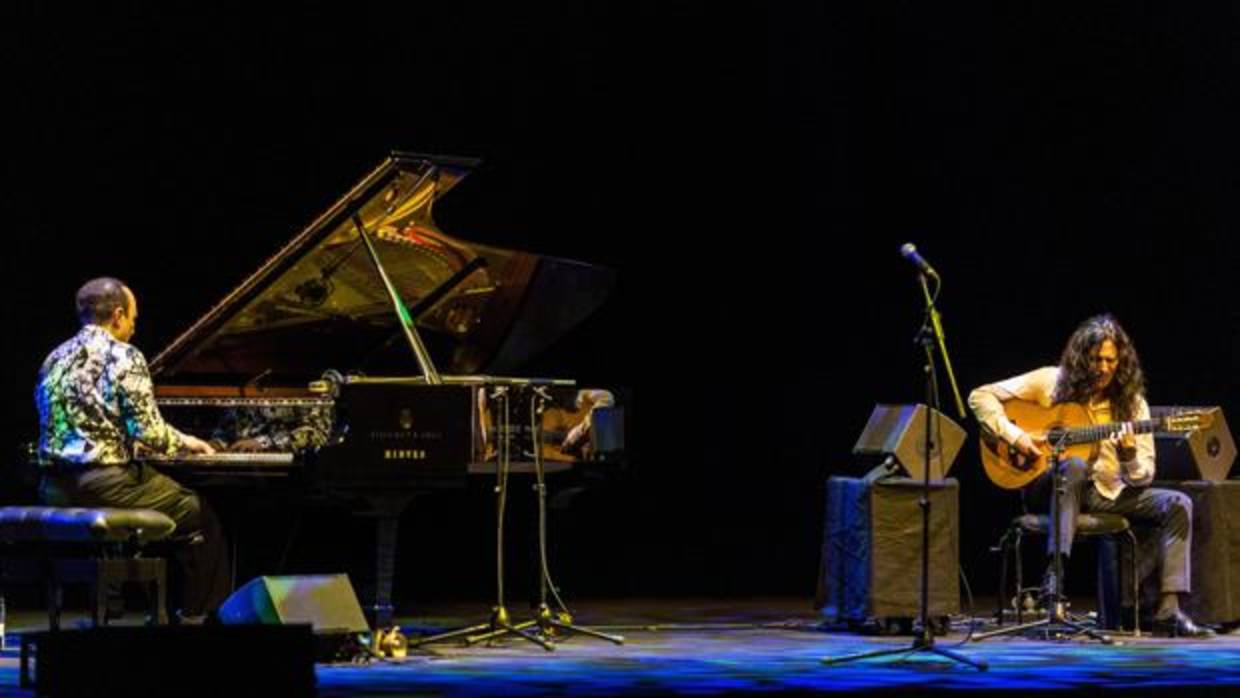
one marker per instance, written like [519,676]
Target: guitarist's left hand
[1125,443]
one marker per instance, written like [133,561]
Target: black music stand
[500,622]
[930,335]
[549,624]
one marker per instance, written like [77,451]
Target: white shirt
[1110,475]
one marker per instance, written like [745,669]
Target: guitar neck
[1101,432]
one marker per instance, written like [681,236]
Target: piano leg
[377,597]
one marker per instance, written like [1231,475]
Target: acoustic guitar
[554,426]
[1067,423]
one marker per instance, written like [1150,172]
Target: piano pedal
[390,643]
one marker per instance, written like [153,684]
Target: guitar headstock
[1186,421]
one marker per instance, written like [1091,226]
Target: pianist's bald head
[98,301]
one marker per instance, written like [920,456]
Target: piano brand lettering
[404,454]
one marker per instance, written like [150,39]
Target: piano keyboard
[222,459]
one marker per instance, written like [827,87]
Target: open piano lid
[320,303]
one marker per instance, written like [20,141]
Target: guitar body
[1009,469]
[555,425]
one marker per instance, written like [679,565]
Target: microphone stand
[930,334]
[500,623]
[548,623]
[1057,622]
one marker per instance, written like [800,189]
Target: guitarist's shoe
[1177,624]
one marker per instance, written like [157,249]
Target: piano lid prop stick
[406,321]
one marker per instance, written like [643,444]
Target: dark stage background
[751,177]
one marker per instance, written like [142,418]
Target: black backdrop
[751,176]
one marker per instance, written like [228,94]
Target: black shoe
[1177,624]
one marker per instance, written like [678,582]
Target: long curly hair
[1076,376]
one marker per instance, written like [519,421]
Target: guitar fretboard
[1101,432]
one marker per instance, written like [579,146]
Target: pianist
[96,404]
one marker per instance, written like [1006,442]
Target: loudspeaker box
[326,602]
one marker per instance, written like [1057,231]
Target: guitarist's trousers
[1168,512]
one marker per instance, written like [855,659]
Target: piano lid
[319,302]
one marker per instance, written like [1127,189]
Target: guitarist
[1099,369]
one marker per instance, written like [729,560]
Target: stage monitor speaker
[1204,454]
[607,432]
[326,602]
[899,431]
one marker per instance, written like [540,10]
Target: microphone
[909,252]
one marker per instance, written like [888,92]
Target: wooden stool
[70,545]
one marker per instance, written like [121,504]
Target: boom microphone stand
[548,623]
[930,335]
[500,623]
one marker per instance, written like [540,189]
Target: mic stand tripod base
[549,625]
[499,626]
[922,643]
[1056,624]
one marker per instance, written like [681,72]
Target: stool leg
[152,601]
[1005,549]
[55,598]
[1110,582]
[158,597]
[24,666]
[1020,577]
[99,599]
[1136,587]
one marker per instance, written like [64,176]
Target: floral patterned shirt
[95,400]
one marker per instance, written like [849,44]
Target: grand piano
[355,317]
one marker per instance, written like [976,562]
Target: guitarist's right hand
[1028,446]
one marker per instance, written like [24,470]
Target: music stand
[929,336]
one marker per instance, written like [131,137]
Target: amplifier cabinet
[871,551]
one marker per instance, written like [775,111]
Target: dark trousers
[201,580]
[1168,511]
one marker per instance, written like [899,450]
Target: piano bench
[94,547]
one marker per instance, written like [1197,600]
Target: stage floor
[760,646]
